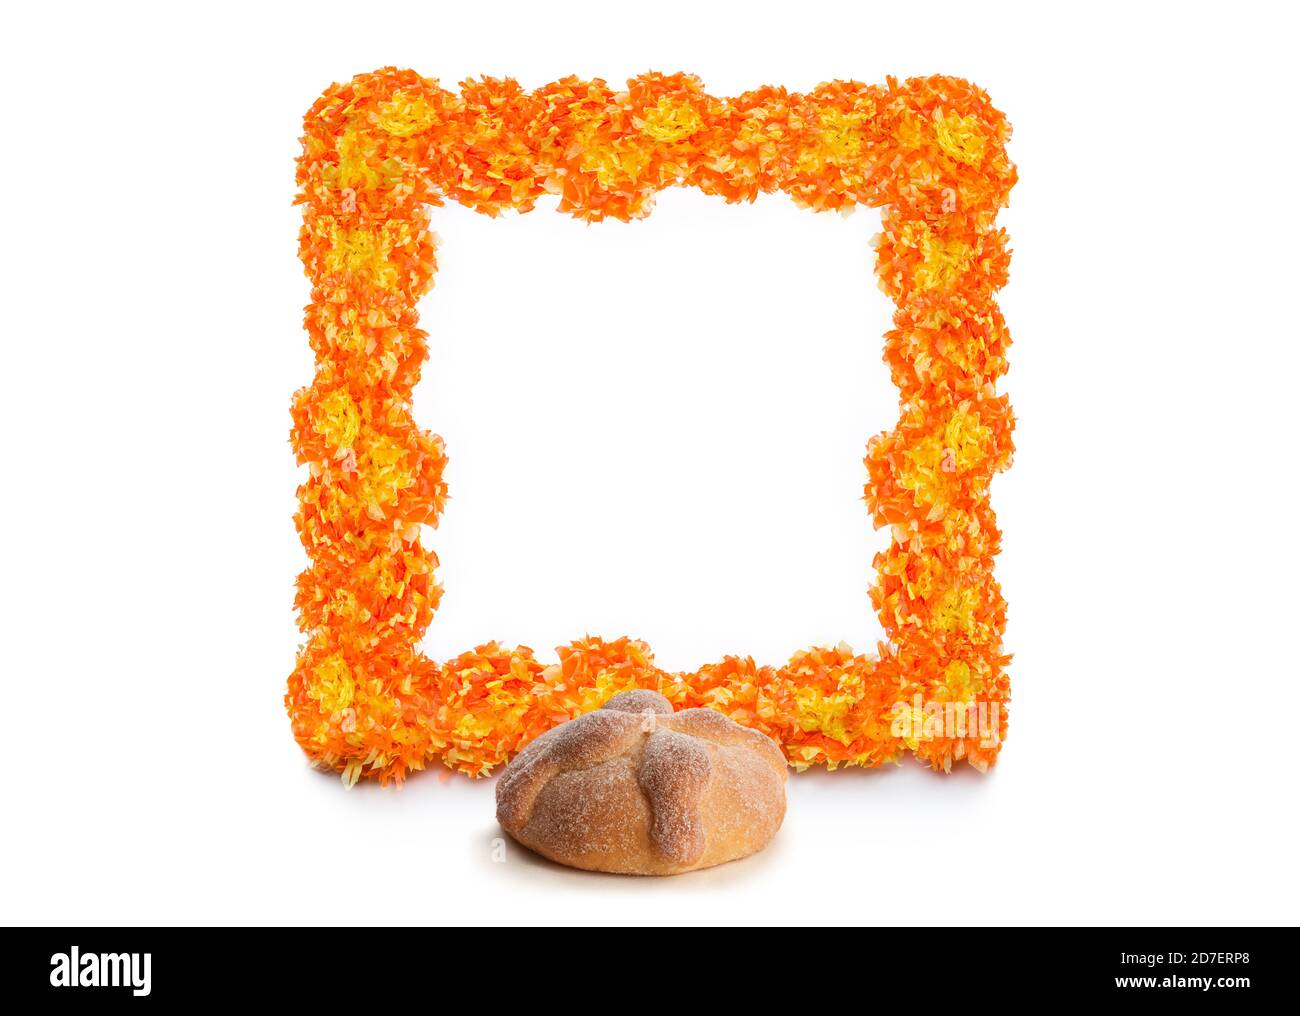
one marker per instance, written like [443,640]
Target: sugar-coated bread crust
[637,789]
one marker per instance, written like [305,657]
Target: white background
[655,429]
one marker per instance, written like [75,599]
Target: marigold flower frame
[379,151]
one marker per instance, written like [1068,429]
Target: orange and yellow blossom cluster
[379,151]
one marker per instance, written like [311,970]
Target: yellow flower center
[669,121]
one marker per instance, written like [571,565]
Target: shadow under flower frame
[379,151]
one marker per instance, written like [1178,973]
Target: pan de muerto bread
[636,788]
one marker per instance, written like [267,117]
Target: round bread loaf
[638,789]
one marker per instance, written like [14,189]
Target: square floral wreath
[379,151]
